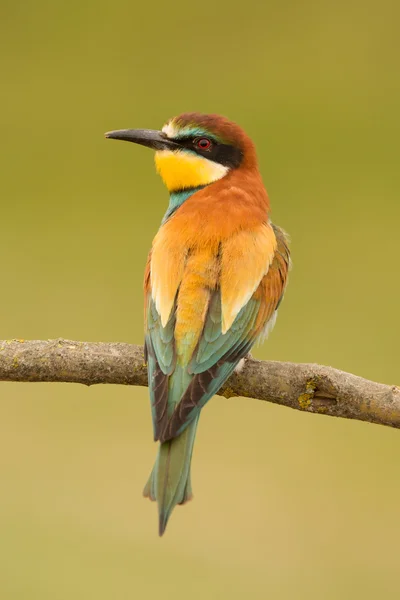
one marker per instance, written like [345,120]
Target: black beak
[145,137]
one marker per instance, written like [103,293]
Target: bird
[214,279]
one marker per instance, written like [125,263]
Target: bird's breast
[214,214]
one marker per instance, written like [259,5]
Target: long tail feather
[169,483]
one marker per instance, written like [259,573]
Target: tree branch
[307,387]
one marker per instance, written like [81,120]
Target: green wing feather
[178,394]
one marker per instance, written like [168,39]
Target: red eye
[203,143]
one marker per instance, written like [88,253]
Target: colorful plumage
[214,279]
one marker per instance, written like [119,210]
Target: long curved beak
[145,137]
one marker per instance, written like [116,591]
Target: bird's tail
[169,483]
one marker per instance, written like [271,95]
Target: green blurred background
[287,505]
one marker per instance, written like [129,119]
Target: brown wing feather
[272,287]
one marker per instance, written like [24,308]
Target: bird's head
[194,150]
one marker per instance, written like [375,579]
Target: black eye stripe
[190,139]
[225,154]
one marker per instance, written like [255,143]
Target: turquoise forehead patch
[194,131]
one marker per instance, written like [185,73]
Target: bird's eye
[203,143]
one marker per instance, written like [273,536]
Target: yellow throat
[181,170]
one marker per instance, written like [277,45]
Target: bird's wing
[223,302]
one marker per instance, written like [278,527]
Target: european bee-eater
[214,279]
